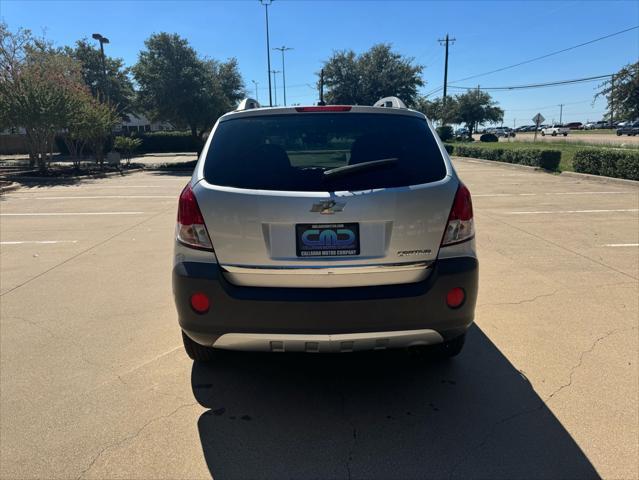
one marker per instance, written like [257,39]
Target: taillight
[191,230]
[460,225]
[325,108]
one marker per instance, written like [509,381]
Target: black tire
[451,348]
[198,352]
[554,134]
[565,134]
[441,351]
[543,134]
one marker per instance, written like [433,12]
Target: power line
[548,54]
[537,85]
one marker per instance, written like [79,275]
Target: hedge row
[546,159]
[607,162]
[152,142]
[162,142]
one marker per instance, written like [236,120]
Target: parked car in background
[502,132]
[461,132]
[523,128]
[554,130]
[575,125]
[630,129]
[531,128]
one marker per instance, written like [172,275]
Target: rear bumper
[417,312]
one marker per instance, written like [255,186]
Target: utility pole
[275,72]
[321,89]
[445,42]
[612,99]
[102,41]
[561,112]
[255,83]
[283,49]
[266,4]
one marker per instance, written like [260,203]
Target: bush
[162,142]
[488,137]
[445,132]
[127,146]
[546,159]
[607,162]
[478,152]
[449,148]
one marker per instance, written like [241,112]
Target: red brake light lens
[191,230]
[455,297]
[460,226]
[200,302]
[325,108]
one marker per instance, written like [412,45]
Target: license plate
[327,239]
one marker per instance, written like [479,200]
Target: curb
[75,177]
[506,164]
[582,176]
[601,178]
[9,188]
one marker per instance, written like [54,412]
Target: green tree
[476,108]
[434,109]
[622,94]
[116,86]
[40,89]
[178,86]
[89,125]
[363,79]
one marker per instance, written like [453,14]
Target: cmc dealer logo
[341,237]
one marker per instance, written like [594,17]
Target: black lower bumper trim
[412,306]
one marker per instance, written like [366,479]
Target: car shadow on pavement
[379,415]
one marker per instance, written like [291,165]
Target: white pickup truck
[555,130]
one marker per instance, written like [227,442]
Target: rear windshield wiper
[358,167]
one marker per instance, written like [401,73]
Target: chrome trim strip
[331,270]
[347,342]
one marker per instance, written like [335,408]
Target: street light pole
[275,72]
[266,3]
[283,49]
[255,83]
[102,41]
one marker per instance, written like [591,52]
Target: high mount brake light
[460,226]
[191,230]
[325,108]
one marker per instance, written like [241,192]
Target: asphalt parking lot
[95,383]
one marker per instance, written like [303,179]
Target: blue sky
[489,35]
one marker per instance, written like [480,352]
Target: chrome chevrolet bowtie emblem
[328,207]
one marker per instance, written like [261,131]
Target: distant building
[138,123]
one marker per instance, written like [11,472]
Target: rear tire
[451,348]
[198,352]
[441,351]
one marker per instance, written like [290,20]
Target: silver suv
[324,229]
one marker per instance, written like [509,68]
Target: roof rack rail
[390,102]
[247,104]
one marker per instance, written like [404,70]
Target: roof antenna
[321,89]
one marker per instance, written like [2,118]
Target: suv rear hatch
[325,199]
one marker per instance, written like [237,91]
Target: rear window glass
[292,152]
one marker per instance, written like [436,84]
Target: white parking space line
[38,242]
[621,245]
[541,212]
[551,193]
[61,214]
[94,197]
